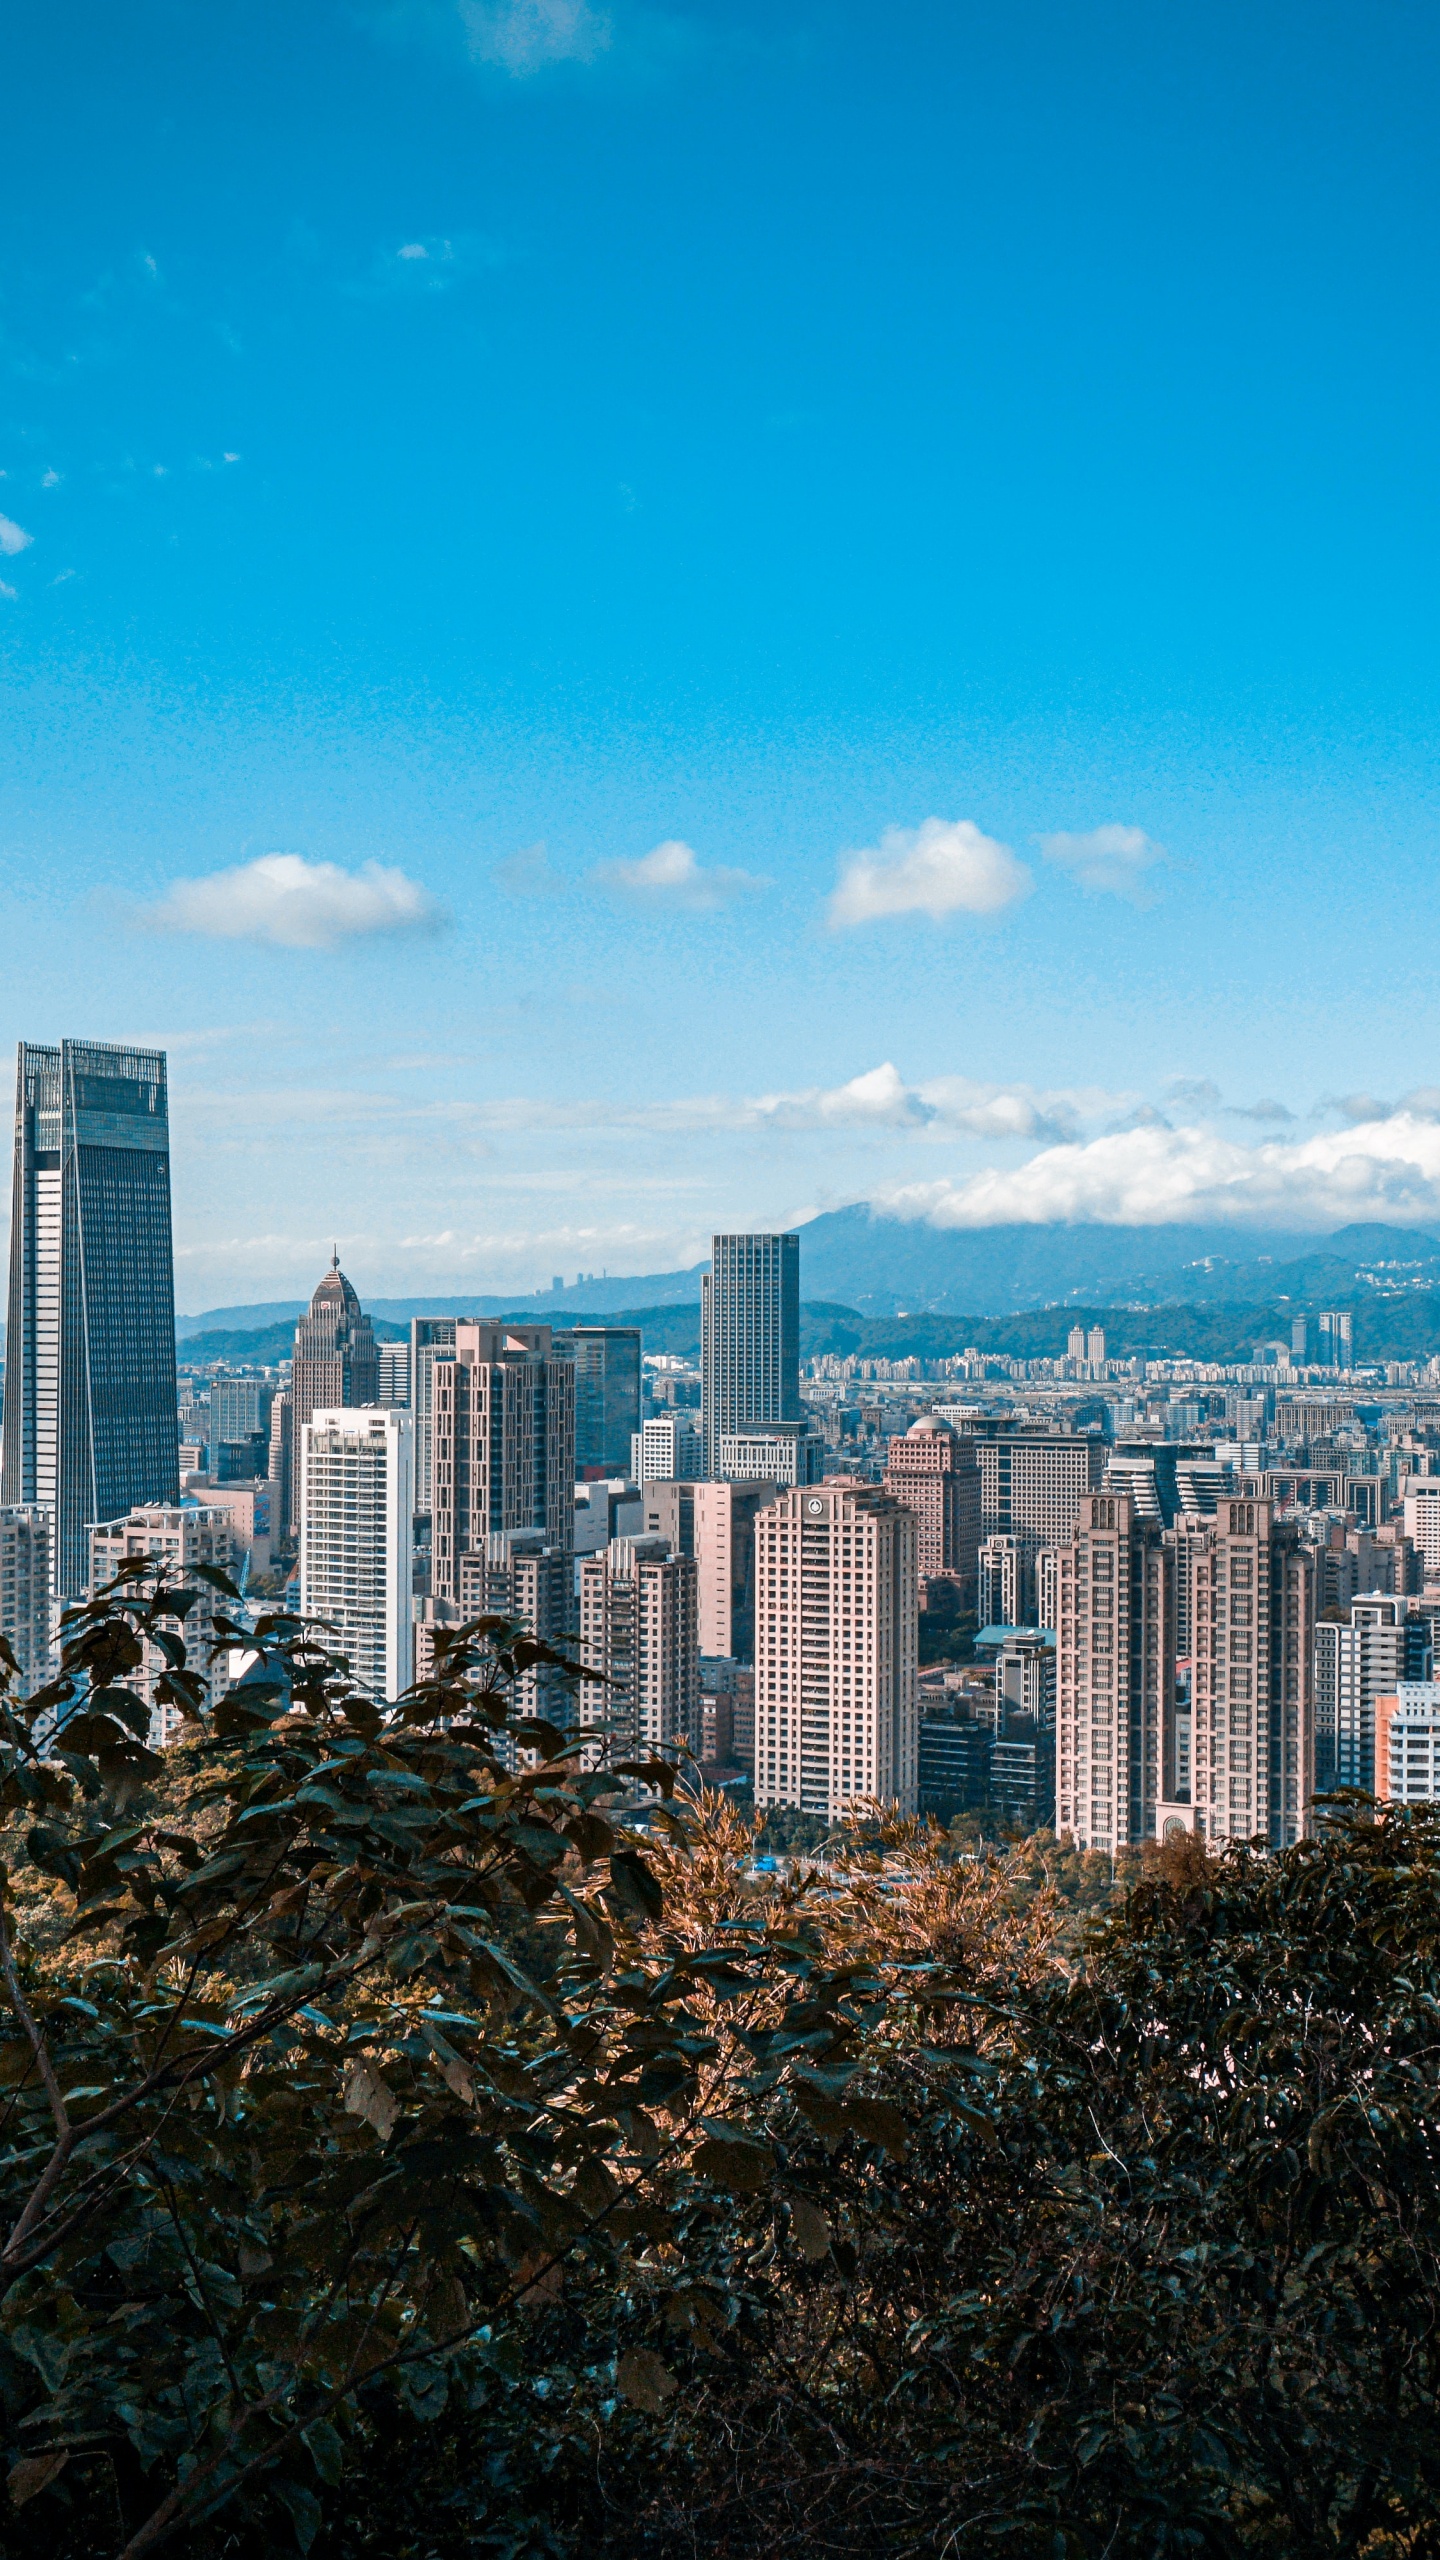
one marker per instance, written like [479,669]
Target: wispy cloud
[515,37]
[301,906]
[941,868]
[673,876]
[1109,861]
[13,537]
[425,266]
[530,873]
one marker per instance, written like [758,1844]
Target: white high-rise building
[1357,1662]
[177,1536]
[836,1638]
[357,1499]
[392,1361]
[1407,1744]
[638,1627]
[775,1456]
[999,1583]
[1422,1523]
[25,1589]
[666,1450]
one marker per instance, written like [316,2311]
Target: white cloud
[938,869]
[13,537]
[674,876]
[524,36]
[1153,1175]
[530,873]
[303,906]
[11,594]
[1110,861]
[50,480]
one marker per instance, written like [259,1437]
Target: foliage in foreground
[404,2156]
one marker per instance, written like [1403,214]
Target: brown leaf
[645,2380]
[367,2095]
[35,2473]
[743,2167]
[812,2231]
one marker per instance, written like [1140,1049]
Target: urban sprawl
[1116,1598]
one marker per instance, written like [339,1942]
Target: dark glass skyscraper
[90,1406]
[607,1392]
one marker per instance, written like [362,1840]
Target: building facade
[933,1471]
[1115,1674]
[429,1336]
[749,1337]
[607,1392]
[336,1363]
[836,1635]
[667,1450]
[25,1589]
[1407,1744]
[178,1537]
[638,1629]
[725,1517]
[357,1500]
[1031,1490]
[778,1455]
[90,1395]
[1252,1645]
[1359,1660]
[503,1441]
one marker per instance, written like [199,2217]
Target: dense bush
[403,2155]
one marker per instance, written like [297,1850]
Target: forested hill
[1386,1328]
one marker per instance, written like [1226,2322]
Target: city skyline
[518,570]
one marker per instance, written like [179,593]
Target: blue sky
[793,604]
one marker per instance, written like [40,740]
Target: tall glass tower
[749,1337]
[90,1405]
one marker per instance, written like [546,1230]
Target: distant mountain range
[882,1267]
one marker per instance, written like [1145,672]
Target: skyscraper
[176,1539]
[933,1471]
[357,1494]
[25,1589]
[503,1426]
[1356,1663]
[1115,1681]
[1031,1489]
[836,1641]
[607,1392]
[90,1401]
[429,1336]
[749,1337]
[336,1362]
[1252,1635]
[637,1627]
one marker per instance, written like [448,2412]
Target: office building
[638,1628]
[666,1449]
[606,1509]
[933,1471]
[607,1393]
[749,1338]
[1422,1524]
[998,1582]
[429,1337]
[25,1590]
[952,1763]
[240,1408]
[1022,1774]
[724,1549]
[90,1387]
[176,1537]
[1167,1478]
[517,1576]
[1407,1744]
[1367,1656]
[357,1498]
[280,1465]
[1115,1674]
[836,1632]
[335,1366]
[1046,1612]
[1252,1637]
[503,1424]
[668,1511]
[1335,1340]
[1031,1489]
[780,1455]
[1025,1678]
[392,1375]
